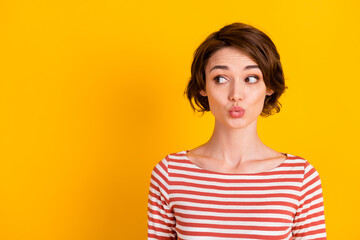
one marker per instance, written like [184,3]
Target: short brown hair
[252,42]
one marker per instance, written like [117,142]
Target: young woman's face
[233,79]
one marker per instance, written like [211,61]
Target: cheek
[217,96]
[211,93]
[213,102]
[258,98]
[217,101]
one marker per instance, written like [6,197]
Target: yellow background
[91,99]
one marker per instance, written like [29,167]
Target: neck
[235,145]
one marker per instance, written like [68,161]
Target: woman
[234,186]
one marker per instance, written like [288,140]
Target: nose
[236,92]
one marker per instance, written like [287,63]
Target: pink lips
[236,112]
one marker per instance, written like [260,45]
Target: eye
[252,79]
[220,79]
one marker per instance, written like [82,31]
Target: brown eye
[220,79]
[252,79]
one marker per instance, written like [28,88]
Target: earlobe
[269,92]
[203,93]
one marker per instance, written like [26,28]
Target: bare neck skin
[236,150]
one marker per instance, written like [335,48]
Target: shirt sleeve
[309,222]
[161,220]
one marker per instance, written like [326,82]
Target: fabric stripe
[188,202]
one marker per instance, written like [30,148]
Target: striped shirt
[188,202]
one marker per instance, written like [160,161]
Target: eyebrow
[227,68]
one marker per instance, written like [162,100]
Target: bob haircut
[252,42]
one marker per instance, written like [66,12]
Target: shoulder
[307,168]
[169,160]
[300,161]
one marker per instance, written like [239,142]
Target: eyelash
[219,76]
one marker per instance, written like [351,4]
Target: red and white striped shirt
[188,202]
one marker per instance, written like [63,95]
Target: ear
[203,93]
[269,92]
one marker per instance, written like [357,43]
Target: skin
[235,146]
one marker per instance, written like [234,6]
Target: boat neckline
[223,173]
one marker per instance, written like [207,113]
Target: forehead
[229,56]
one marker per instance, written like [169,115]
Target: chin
[239,123]
[234,123]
